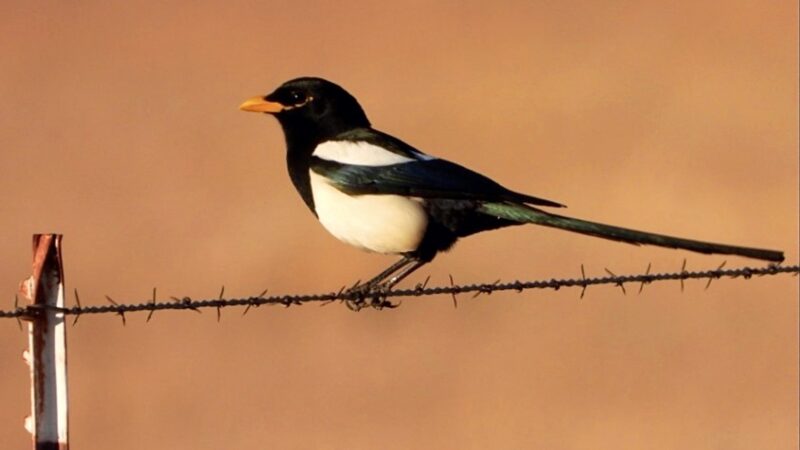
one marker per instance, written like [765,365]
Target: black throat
[300,144]
[303,134]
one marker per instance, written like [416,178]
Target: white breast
[377,223]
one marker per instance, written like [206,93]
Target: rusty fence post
[47,345]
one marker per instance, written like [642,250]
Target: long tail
[526,214]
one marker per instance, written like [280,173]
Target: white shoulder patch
[362,154]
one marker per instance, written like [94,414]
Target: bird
[374,191]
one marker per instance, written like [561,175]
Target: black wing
[434,178]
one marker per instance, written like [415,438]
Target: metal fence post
[47,347]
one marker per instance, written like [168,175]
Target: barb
[647,272]
[219,308]
[583,277]
[152,302]
[187,303]
[453,294]
[118,309]
[620,284]
[683,270]
[77,302]
[710,279]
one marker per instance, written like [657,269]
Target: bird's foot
[372,295]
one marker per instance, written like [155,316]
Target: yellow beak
[259,104]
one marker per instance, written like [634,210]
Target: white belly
[378,223]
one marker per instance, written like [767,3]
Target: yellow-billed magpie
[376,192]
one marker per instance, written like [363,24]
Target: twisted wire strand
[349,295]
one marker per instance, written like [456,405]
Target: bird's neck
[302,137]
[299,148]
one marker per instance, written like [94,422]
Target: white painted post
[47,345]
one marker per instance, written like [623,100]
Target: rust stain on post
[46,354]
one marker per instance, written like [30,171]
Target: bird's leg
[417,263]
[384,281]
[379,297]
[378,279]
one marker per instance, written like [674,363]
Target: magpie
[376,192]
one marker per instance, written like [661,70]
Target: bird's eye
[297,97]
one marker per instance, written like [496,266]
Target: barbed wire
[357,297]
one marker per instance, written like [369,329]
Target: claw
[372,295]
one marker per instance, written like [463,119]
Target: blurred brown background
[119,128]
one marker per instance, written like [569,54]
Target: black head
[310,108]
